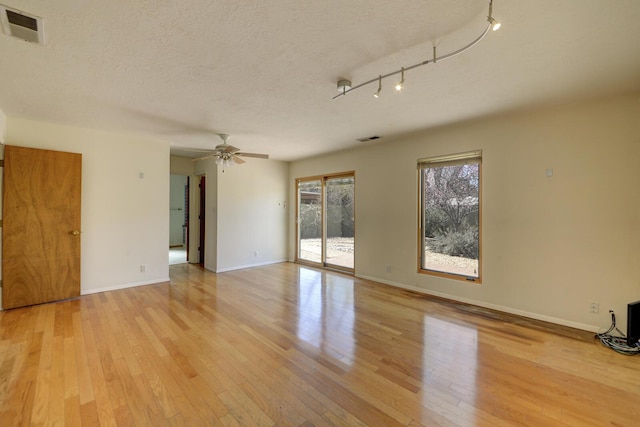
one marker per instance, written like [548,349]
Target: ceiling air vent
[369,138]
[18,24]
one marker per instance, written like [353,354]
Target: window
[450,205]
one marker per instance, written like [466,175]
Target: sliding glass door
[325,220]
[309,222]
[339,214]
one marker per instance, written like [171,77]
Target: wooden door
[41,226]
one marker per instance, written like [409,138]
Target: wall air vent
[20,25]
[368,138]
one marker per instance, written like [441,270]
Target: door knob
[75,232]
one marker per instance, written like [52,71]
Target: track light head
[495,25]
[400,84]
[377,94]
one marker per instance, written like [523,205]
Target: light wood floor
[287,345]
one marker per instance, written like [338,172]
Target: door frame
[201,219]
[187,214]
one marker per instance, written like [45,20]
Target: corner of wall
[3,133]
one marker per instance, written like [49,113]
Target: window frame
[470,157]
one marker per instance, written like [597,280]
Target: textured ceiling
[266,71]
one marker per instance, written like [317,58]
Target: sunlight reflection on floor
[325,313]
[452,349]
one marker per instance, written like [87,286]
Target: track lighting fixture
[377,94]
[344,85]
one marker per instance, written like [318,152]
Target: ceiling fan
[226,155]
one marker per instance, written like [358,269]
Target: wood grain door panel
[41,225]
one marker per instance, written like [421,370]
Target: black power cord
[617,343]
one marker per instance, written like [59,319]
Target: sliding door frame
[323,198]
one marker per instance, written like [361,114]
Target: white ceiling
[266,71]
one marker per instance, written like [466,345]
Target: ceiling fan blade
[196,150]
[204,158]
[227,148]
[256,155]
[238,160]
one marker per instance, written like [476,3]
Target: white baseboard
[123,286]
[110,288]
[240,267]
[504,309]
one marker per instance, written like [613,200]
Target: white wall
[181,166]
[252,214]
[3,127]
[125,218]
[246,214]
[551,246]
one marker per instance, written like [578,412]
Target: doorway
[178,219]
[325,220]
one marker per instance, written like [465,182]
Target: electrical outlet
[388,268]
[594,307]
[143,268]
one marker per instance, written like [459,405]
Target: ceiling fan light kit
[345,86]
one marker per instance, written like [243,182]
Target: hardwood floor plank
[151,336]
[203,388]
[229,421]
[139,403]
[103,405]
[17,410]
[289,345]
[190,414]
[43,378]
[70,373]
[275,409]
[89,414]
[57,384]
[72,413]
[288,393]
[238,412]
